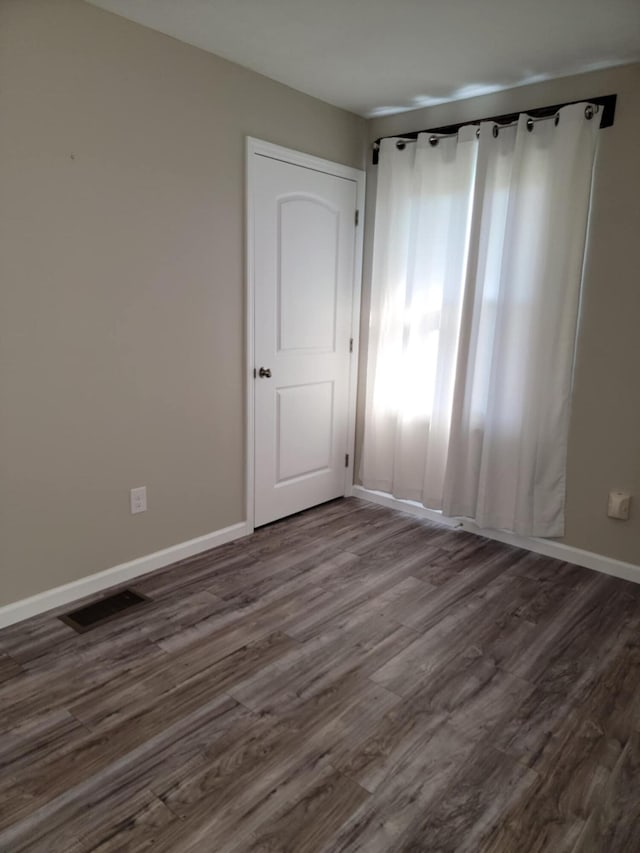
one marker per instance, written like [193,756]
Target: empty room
[319,426]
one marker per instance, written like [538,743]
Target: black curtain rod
[607,102]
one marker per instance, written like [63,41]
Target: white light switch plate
[139,499]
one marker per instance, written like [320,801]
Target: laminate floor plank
[131,822]
[469,693]
[348,680]
[295,559]
[422,774]
[581,635]
[34,740]
[141,825]
[605,693]
[33,693]
[342,605]
[175,679]
[557,808]
[364,538]
[464,815]
[406,541]
[9,668]
[257,770]
[613,824]
[472,624]
[360,646]
[103,769]
[232,627]
[311,820]
[26,640]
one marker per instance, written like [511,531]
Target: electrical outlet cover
[139,499]
[619,505]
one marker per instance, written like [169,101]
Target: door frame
[258,147]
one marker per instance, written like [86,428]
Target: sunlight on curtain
[477,262]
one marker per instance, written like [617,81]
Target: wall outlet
[139,499]
[619,505]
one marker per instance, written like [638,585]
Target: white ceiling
[382,56]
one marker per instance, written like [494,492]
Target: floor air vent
[103,610]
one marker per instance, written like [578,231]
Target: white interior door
[303,270]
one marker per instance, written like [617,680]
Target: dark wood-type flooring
[349,679]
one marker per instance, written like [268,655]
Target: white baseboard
[547,547]
[60,595]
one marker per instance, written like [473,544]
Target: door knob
[264,373]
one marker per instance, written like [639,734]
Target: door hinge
[357,217]
[350,344]
[346,460]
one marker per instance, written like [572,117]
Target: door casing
[259,148]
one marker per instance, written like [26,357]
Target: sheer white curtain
[477,262]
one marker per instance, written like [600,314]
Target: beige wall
[604,441]
[121,268]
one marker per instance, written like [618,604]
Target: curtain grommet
[529,124]
[433,141]
[400,145]
[589,112]
[495,131]
[556,119]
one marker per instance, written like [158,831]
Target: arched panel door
[303,261]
